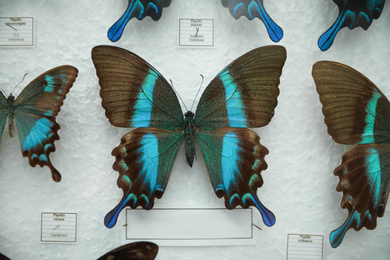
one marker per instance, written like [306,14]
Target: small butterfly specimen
[34,112]
[251,9]
[138,9]
[352,14]
[133,251]
[357,113]
[242,95]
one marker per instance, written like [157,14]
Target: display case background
[299,185]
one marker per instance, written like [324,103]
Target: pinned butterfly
[137,9]
[34,112]
[251,9]
[242,95]
[352,14]
[357,113]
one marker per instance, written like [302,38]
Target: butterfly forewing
[357,112]
[244,94]
[133,251]
[134,93]
[3,113]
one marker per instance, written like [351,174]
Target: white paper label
[58,227]
[196,32]
[17,31]
[304,246]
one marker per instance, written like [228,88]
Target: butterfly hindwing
[144,160]
[365,182]
[35,110]
[244,94]
[134,94]
[235,159]
[137,9]
[357,112]
[352,14]
[251,9]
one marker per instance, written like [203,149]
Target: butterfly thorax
[189,134]
[11,115]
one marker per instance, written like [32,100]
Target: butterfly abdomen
[11,115]
[189,134]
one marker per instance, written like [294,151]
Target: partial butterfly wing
[35,110]
[137,9]
[357,112]
[3,113]
[352,14]
[251,9]
[133,251]
[242,95]
[135,94]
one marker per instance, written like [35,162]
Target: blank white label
[185,226]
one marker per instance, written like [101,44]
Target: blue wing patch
[137,9]
[251,9]
[352,14]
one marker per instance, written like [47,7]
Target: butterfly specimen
[242,95]
[357,113]
[251,9]
[352,14]
[34,112]
[138,9]
[133,251]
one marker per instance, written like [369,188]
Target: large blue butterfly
[357,113]
[138,9]
[251,9]
[352,14]
[244,94]
[34,112]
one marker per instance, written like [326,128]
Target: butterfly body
[352,14]
[357,113]
[34,111]
[244,94]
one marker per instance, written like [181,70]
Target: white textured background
[299,186]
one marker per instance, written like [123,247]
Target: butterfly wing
[352,14]
[242,95]
[144,160]
[3,113]
[356,112]
[137,9]
[251,9]
[133,251]
[135,94]
[35,110]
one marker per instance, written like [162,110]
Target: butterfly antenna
[178,95]
[19,83]
[197,93]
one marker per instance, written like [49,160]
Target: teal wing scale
[144,159]
[239,156]
[242,95]
[357,113]
[35,111]
[3,113]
